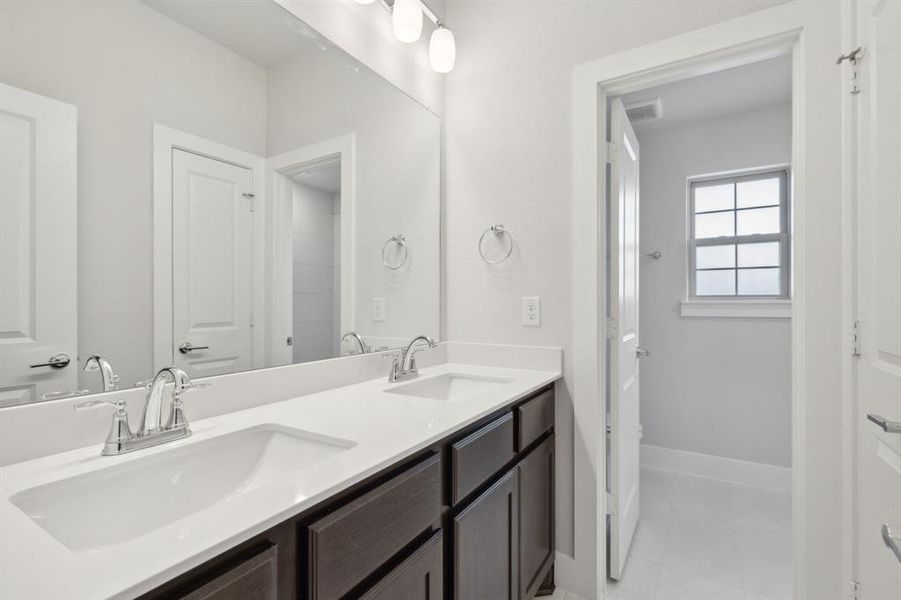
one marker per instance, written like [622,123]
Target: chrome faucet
[152,431]
[98,363]
[399,370]
[364,349]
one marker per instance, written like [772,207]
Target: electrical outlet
[378,310]
[531,311]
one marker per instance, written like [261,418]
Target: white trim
[733,470]
[344,147]
[165,139]
[742,309]
[805,30]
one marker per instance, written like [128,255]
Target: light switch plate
[531,311]
[378,310]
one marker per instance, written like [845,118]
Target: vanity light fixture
[407,17]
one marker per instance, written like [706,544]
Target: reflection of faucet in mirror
[364,349]
[152,431]
[399,370]
[107,376]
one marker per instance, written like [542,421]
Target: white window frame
[740,305]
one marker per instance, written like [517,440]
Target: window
[739,241]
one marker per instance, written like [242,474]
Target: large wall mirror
[212,185]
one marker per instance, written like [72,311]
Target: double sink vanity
[440,486]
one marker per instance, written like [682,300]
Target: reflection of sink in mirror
[119,503]
[450,386]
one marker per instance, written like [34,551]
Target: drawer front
[351,543]
[534,418]
[479,455]
[420,577]
[253,579]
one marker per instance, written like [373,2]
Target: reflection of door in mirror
[37,246]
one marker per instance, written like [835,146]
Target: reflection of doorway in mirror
[316,261]
[311,232]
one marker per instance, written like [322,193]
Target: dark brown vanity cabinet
[469,518]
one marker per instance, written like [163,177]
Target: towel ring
[401,241]
[501,232]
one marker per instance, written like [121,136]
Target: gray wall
[714,386]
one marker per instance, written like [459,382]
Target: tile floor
[706,539]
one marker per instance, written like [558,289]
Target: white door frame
[811,34]
[166,139]
[344,147]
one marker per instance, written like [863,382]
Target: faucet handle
[119,405]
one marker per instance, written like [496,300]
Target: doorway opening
[699,394]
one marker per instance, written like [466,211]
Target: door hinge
[250,198]
[855,338]
[611,152]
[855,590]
[612,329]
[853,58]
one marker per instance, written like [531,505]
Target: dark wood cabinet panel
[253,579]
[419,577]
[534,418]
[536,517]
[349,544]
[480,455]
[486,532]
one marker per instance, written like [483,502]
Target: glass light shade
[442,50]
[407,18]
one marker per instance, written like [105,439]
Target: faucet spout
[400,371]
[152,419]
[107,377]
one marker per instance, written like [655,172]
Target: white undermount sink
[122,502]
[450,387]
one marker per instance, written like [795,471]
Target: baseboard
[717,467]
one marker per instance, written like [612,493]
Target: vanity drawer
[350,543]
[534,418]
[479,455]
[253,579]
[419,577]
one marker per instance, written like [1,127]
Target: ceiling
[259,30]
[755,86]
[325,177]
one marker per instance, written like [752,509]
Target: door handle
[57,361]
[892,540]
[886,425]
[641,352]
[186,347]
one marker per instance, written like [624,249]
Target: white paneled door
[622,338]
[212,265]
[878,526]
[38,254]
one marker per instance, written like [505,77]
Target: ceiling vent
[643,111]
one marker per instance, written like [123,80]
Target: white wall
[397,145]
[314,274]
[508,159]
[714,386]
[96,56]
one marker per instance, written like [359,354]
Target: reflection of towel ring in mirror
[401,241]
[500,232]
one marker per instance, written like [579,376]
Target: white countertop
[386,428]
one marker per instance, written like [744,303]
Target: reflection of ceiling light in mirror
[442,50]
[407,18]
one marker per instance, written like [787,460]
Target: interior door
[38,253]
[212,254]
[622,340]
[878,527]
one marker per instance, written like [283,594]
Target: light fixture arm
[426,10]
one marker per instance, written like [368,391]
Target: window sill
[741,309]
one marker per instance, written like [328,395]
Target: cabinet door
[420,577]
[486,544]
[536,512]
